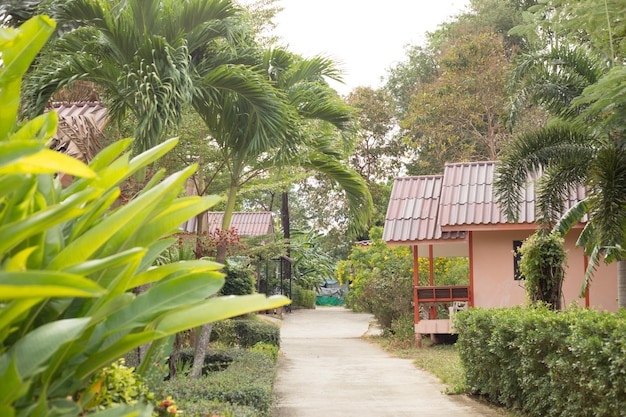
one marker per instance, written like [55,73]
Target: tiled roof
[412,211]
[247,223]
[440,207]
[467,197]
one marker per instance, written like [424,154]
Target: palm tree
[584,144]
[152,58]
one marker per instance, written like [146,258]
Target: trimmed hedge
[546,363]
[303,297]
[244,388]
[245,332]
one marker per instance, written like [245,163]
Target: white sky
[365,37]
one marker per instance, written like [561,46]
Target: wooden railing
[442,294]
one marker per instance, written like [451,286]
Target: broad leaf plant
[70,257]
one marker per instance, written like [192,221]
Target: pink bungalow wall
[494,285]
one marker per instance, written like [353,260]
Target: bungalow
[455,214]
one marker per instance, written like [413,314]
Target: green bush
[267,349]
[546,363]
[303,298]
[246,332]
[246,382]
[239,279]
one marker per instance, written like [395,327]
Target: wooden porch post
[587,297]
[416,309]
[471,268]
[431,279]
[416,283]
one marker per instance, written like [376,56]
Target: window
[516,259]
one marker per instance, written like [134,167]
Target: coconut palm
[152,58]
[584,145]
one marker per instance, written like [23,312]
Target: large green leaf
[16,232]
[36,347]
[114,229]
[170,219]
[47,161]
[217,309]
[175,292]
[16,59]
[157,273]
[36,284]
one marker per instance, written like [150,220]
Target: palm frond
[359,197]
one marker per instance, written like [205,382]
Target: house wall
[495,286]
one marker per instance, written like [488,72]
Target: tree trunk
[621,284]
[285,221]
[202,343]
[202,340]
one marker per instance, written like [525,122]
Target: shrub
[246,382]
[303,297]
[546,363]
[246,332]
[239,279]
[267,349]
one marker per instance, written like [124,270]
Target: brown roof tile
[247,223]
[467,197]
[412,211]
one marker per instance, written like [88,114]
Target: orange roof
[443,207]
[247,223]
[412,211]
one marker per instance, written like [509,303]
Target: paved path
[327,369]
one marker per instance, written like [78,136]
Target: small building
[254,223]
[456,214]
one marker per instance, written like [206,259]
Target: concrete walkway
[327,369]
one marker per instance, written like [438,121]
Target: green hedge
[546,363]
[303,297]
[244,388]
[246,332]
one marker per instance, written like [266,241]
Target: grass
[443,361]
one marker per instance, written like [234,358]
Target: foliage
[246,382]
[303,297]
[542,265]
[544,362]
[239,279]
[113,386]
[246,332]
[69,258]
[459,116]
[381,278]
[267,349]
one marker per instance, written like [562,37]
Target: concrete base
[433,326]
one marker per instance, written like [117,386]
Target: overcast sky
[366,37]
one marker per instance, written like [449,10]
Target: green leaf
[34,349]
[36,284]
[114,228]
[16,232]
[115,351]
[31,37]
[12,151]
[175,292]
[170,219]
[158,273]
[41,128]
[48,161]
[217,309]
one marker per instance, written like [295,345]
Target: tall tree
[460,115]
[152,58]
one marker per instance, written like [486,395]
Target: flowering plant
[167,408]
